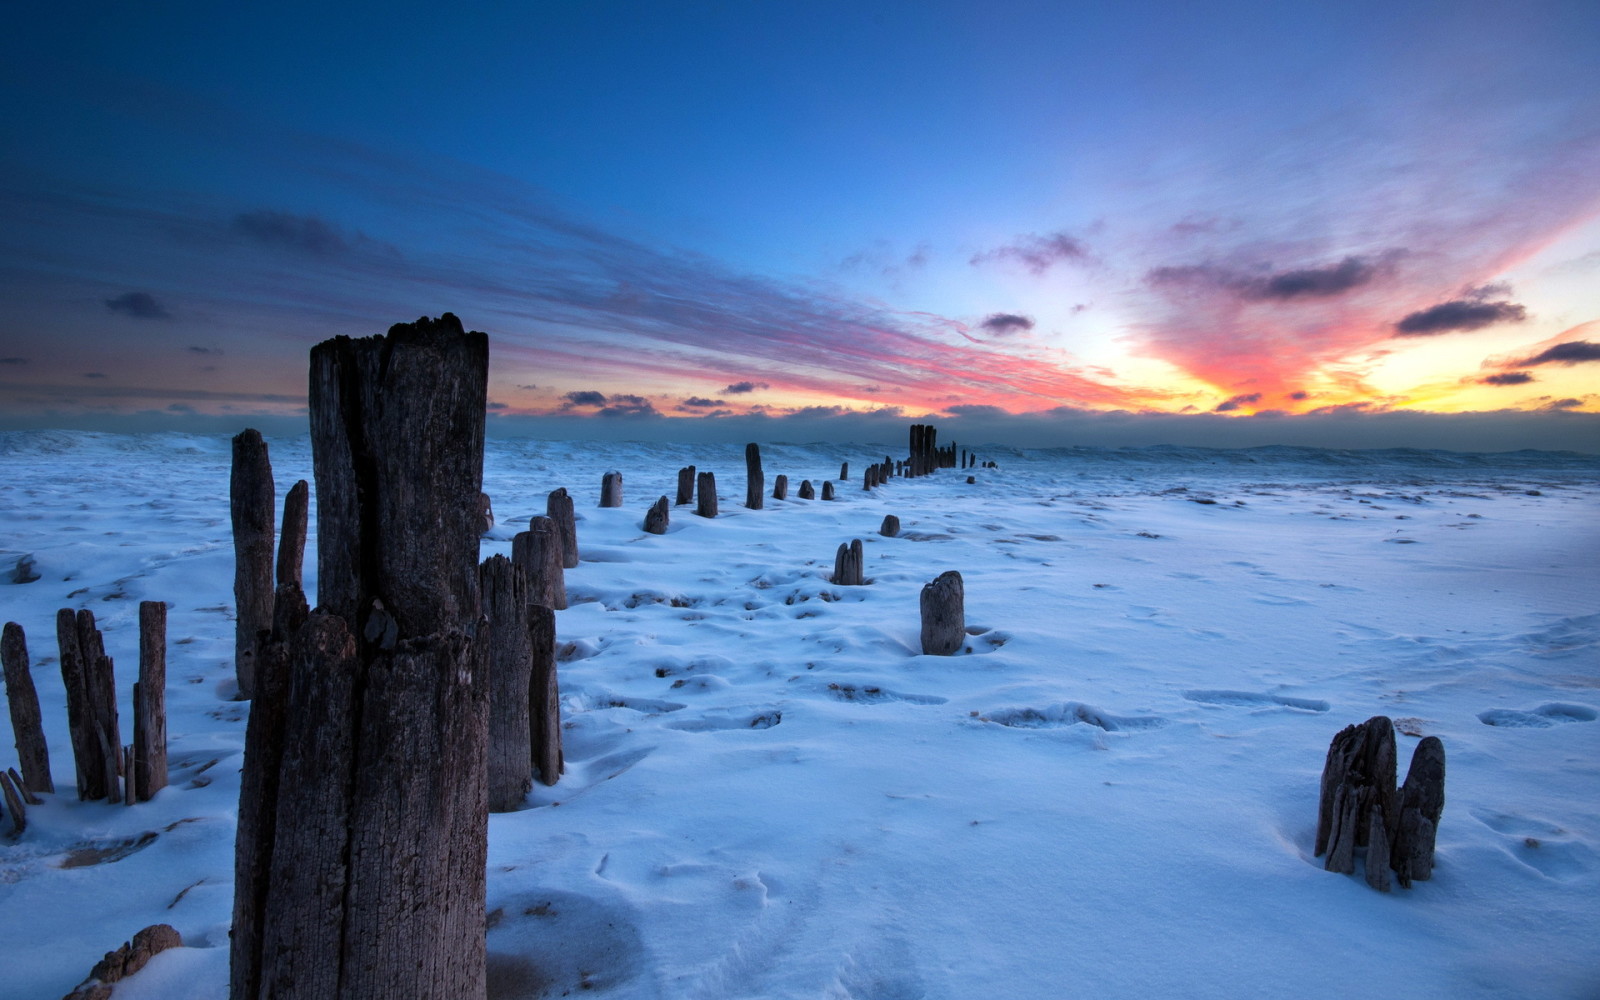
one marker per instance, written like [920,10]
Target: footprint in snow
[1069,713]
[1548,849]
[1542,717]
[1250,699]
[872,695]
[718,721]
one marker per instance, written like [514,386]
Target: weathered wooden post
[780,488]
[827,489]
[686,484]
[33,753]
[544,695]
[1421,803]
[558,507]
[848,565]
[890,527]
[944,618]
[86,672]
[611,489]
[1357,780]
[15,803]
[148,769]
[656,518]
[292,537]
[755,483]
[706,490]
[806,492]
[504,590]
[538,551]
[360,871]
[844,472]
[251,499]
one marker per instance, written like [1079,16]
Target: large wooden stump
[505,605]
[806,490]
[780,488]
[558,507]
[373,829]
[847,565]
[1357,778]
[33,753]
[657,518]
[1421,803]
[544,695]
[292,537]
[251,499]
[890,527]
[611,489]
[706,495]
[944,617]
[538,552]
[87,673]
[755,483]
[686,484]
[148,769]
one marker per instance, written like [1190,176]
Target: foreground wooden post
[827,489]
[847,565]
[611,489]
[292,538]
[806,492]
[944,618]
[1421,803]
[375,834]
[251,499]
[87,673]
[33,753]
[1357,779]
[890,527]
[656,518]
[780,488]
[148,769]
[686,484]
[558,507]
[706,495]
[538,552]
[510,663]
[544,695]
[755,483]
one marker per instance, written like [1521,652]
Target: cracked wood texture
[252,501]
[33,753]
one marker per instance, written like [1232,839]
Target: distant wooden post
[360,874]
[251,501]
[1357,778]
[891,526]
[780,488]
[848,565]
[33,753]
[292,538]
[755,483]
[504,591]
[558,507]
[611,489]
[656,518]
[707,495]
[844,472]
[148,770]
[944,620]
[827,489]
[544,695]
[686,484]
[806,492]
[538,552]
[86,671]
[1421,803]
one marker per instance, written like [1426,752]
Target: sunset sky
[1345,224]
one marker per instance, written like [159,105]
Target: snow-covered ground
[1112,792]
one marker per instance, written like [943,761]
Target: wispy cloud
[583,397]
[139,305]
[1573,352]
[1459,316]
[1507,378]
[1005,324]
[1036,253]
[303,233]
[1235,402]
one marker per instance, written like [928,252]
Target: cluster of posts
[1361,807]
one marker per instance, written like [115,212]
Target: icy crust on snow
[770,792]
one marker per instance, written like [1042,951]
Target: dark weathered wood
[375,886]
[125,961]
[657,517]
[1421,803]
[1377,873]
[544,695]
[890,527]
[972,480]
[538,552]
[33,753]
[611,489]
[149,766]
[686,484]
[706,495]
[1357,777]
[780,488]
[844,472]
[80,724]
[944,617]
[251,500]
[558,507]
[510,658]
[16,807]
[847,565]
[827,489]
[87,673]
[755,485]
[27,795]
[806,490]
[292,537]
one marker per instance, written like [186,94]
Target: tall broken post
[754,483]
[807,492]
[251,500]
[558,507]
[780,488]
[944,617]
[362,876]
[706,494]
[1421,803]
[544,695]
[504,590]
[87,674]
[538,551]
[1357,778]
[848,565]
[686,483]
[611,489]
[844,472]
[33,753]
[292,537]
[148,769]
[827,489]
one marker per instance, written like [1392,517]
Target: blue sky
[1327,224]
